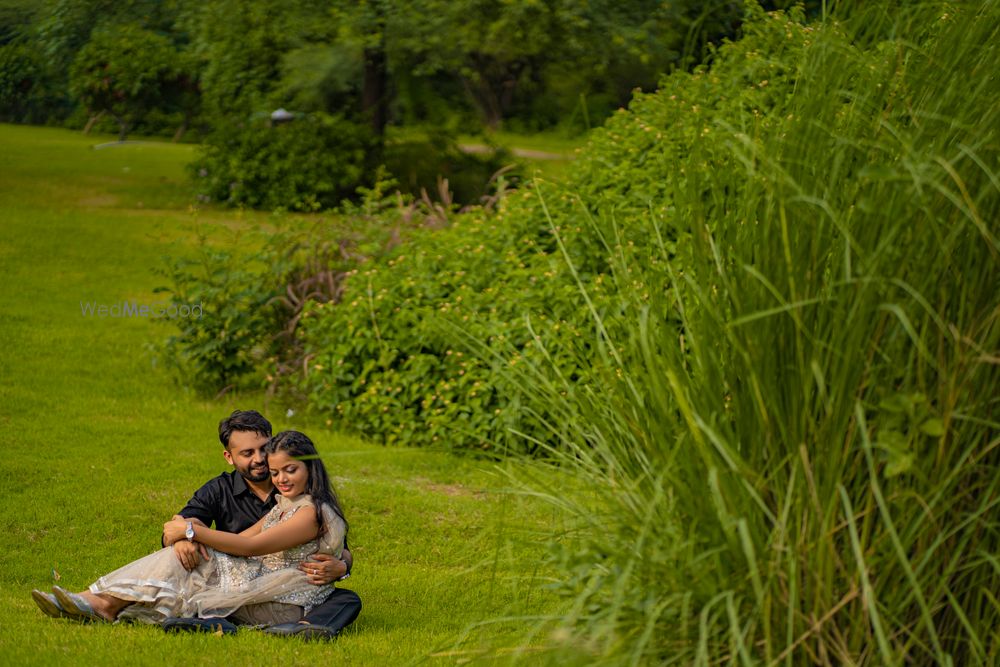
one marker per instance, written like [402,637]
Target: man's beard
[252,475]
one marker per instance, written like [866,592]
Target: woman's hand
[173,531]
[323,569]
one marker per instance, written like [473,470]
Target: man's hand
[173,531]
[323,569]
[188,553]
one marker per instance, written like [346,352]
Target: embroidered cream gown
[160,587]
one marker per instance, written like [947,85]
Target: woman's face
[288,475]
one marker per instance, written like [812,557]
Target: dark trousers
[339,610]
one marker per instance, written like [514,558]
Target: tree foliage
[502,56]
[26,90]
[241,45]
[123,72]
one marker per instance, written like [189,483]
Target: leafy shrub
[415,352]
[253,289]
[308,164]
[234,333]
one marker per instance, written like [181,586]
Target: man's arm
[200,510]
[348,560]
[323,568]
[204,505]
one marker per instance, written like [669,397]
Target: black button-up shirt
[229,503]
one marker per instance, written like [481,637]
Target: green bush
[779,386]
[253,289]
[415,352]
[307,164]
[759,324]
[236,290]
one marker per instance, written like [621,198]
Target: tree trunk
[485,100]
[374,89]
[92,121]
[493,86]
[373,93]
[179,134]
[492,107]
[122,129]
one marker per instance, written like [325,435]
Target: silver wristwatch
[189,533]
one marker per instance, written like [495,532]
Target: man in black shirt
[235,501]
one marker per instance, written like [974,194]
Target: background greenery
[747,339]
[350,72]
[530,65]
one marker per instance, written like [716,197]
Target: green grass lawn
[102,445]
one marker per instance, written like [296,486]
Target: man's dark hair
[247,421]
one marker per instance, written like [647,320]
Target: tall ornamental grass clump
[805,470]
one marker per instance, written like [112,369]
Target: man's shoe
[306,631]
[213,625]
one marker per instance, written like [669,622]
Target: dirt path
[479,149]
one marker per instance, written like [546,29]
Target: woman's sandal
[49,605]
[76,606]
